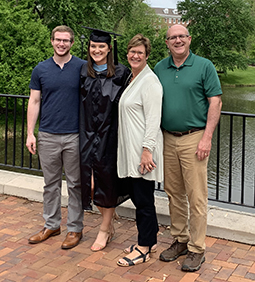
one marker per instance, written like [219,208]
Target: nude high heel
[98,247]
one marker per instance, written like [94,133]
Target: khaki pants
[185,183]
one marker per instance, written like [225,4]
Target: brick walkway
[20,261]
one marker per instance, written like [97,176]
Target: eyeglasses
[139,53]
[174,37]
[65,41]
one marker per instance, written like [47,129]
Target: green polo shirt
[185,91]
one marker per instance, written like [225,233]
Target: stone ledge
[222,223]
[26,186]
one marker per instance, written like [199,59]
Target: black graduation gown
[98,137]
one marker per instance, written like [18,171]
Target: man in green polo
[190,112]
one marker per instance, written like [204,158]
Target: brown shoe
[174,251]
[44,234]
[72,239]
[193,261]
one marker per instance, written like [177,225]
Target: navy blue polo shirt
[60,95]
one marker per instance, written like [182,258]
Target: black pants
[141,192]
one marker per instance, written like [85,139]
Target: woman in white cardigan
[140,147]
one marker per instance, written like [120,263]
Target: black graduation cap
[98,35]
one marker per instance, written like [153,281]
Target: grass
[239,77]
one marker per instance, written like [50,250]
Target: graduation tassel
[115,50]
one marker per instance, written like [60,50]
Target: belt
[179,134]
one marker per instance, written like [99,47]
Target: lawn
[239,77]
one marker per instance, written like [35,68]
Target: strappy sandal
[131,248]
[136,260]
[115,215]
[98,247]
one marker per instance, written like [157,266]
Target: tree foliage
[26,26]
[219,30]
[251,38]
[24,42]
[126,17]
[142,20]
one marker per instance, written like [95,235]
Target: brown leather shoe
[43,235]
[72,239]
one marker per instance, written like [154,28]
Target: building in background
[169,17]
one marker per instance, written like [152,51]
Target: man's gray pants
[58,151]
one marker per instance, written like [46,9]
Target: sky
[162,3]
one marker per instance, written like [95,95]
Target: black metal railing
[13,153]
[232,161]
[230,169]
[235,173]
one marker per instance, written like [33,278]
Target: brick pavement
[20,261]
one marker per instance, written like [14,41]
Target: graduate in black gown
[102,83]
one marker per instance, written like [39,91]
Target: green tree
[26,26]
[142,19]
[24,42]
[251,38]
[73,13]
[127,17]
[219,30]
[105,15]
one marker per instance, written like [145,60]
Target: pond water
[241,100]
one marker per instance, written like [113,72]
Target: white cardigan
[139,126]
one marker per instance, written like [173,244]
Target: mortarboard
[98,35]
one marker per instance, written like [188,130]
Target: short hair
[138,40]
[63,28]
[179,25]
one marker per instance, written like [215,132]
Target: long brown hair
[110,64]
